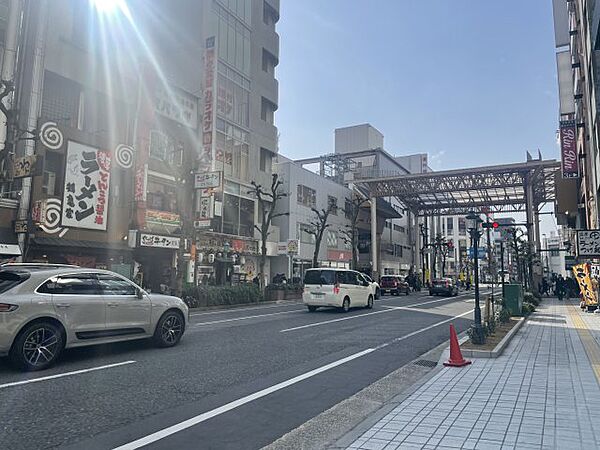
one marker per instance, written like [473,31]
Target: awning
[9,243]
[60,242]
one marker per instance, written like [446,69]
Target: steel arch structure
[499,189]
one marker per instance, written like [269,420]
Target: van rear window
[319,277]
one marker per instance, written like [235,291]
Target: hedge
[199,296]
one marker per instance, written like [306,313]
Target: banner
[87,182]
[208,114]
[588,291]
[568,149]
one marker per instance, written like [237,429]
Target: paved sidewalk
[541,393]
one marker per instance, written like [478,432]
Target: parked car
[340,288]
[47,308]
[375,289]
[394,285]
[443,286]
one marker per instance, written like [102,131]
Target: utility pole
[502,266]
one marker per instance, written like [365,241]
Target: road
[239,379]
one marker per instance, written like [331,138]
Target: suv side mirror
[139,294]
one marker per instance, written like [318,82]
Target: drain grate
[425,363]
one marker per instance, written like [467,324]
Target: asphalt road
[239,379]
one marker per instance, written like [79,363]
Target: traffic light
[493,225]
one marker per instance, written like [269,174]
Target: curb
[366,424]
[499,348]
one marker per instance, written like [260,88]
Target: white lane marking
[66,374]
[325,322]
[401,338]
[165,432]
[223,311]
[236,403]
[390,309]
[235,319]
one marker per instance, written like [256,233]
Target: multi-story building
[553,255]
[149,137]
[577,46]
[309,191]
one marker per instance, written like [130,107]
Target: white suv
[336,287]
[46,308]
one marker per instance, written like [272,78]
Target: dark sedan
[443,286]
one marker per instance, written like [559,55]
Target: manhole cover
[425,363]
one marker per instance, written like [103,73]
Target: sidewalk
[543,392]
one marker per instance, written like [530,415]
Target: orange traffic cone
[456,357]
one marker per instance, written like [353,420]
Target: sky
[470,82]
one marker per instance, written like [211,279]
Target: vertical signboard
[207,154]
[568,149]
[87,181]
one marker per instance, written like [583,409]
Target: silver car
[47,308]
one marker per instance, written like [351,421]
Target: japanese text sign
[152,240]
[87,182]
[207,180]
[588,242]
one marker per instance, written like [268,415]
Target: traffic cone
[456,357]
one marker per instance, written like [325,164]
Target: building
[553,255]
[149,137]
[309,190]
[577,44]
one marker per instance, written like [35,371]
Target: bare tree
[267,202]
[318,225]
[350,231]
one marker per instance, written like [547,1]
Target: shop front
[9,247]
[224,260]
[155,260]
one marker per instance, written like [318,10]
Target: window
[269,62]
[267,111]
[60,100]
[111,285]
[462,226]
[266,160]
[554,252]
[388,224]
[161,196]
[307,196]
[231,214]
[270,16]
[74,284]
[398,250]
[233,101]
[305,235]
[53,166]
[348,209]
[449,225]
[399,229]
[234,36]
[347,277]
[332,239]
[332,204]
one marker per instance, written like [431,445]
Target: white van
[336,287]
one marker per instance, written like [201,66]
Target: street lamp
[473,222]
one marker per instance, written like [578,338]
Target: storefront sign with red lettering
[87,181]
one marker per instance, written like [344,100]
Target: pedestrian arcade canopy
[494,189]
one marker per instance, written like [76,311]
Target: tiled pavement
[541,393]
